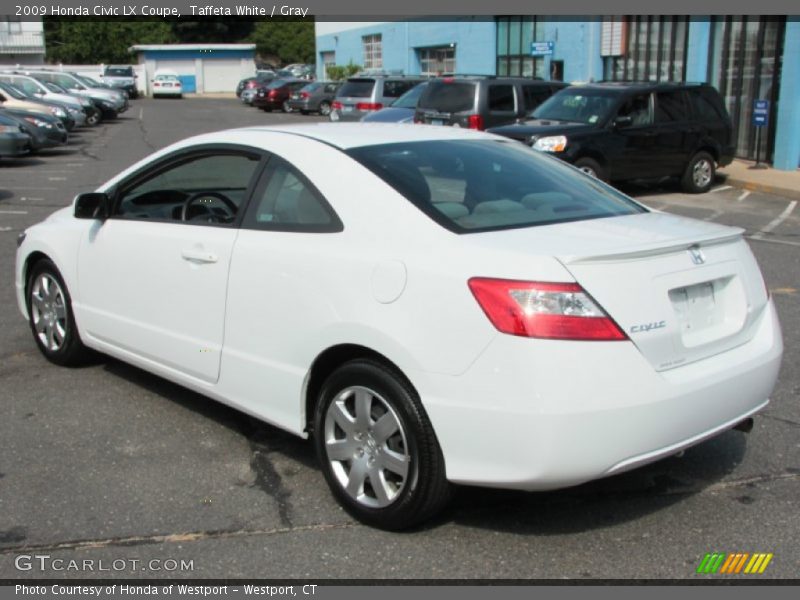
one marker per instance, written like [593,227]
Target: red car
[276,94]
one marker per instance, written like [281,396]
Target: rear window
[449,97]
[311,87]
[277,83]
[119,72]
[485,185]
[357,88]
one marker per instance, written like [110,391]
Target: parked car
[276,94]
[479,102]
[122,77]
[315,97]
[167,83]
[11,97]
[34,89]
[110,102]
[367,93]
[45,131]
[14,141]
[94,115]
[519,325]
[621,131]
[401,110]
[248,87]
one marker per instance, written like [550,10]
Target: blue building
[746,58]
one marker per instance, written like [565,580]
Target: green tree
[87,41]
[291,40]
[339,72]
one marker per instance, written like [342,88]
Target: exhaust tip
[746,426]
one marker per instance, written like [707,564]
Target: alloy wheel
[701,173]
[49,312]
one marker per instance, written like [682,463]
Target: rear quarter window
[501,98]
[449,97]
[395,89]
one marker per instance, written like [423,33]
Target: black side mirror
[92,205]
[621,122]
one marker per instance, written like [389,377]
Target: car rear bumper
[301,105]
[538,414]
[348,116]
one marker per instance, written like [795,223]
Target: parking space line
[744,195]
[776,221]
[5,228]
[721,188]
[13,212]
[769,241]
[714,215]
[56,178]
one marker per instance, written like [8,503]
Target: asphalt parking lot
[109,462]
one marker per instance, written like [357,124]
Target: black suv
[479,102]
[623,131]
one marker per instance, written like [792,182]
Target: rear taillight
[272,93]
[369,106]
[562,311]
[337,106]
[304,95]
[475,122]
[251,84]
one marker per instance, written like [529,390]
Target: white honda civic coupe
[430,305]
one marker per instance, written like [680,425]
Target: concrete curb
[753,186]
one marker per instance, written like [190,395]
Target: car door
[676,135]
[153,276]
[501,103]
[632,149]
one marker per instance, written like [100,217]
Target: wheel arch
[331,359]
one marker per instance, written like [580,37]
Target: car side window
[670,107]
[331,88]
[395,89]
[534,96]
[501,98]
[287,201]
[201,189]
[638,109]
[704,110]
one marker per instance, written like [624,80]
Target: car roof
[351,135]
[627,86]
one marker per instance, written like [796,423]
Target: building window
[328,59]
[437,61]
[514,37]
[647,48]
[11,25]
[373,52]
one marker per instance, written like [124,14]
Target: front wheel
[591,167]
[325,108]
[699,174]
[377,448]
[50,316]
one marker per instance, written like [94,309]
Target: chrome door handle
[200,256]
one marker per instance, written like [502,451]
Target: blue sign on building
[760,113]
[542,48]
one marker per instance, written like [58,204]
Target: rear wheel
[591,167]
[324,108]
[377,447]
[286,107]
[699,174]
[50,316]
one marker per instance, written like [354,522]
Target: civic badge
[696,254]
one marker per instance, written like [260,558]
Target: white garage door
[221,75]
[181,67]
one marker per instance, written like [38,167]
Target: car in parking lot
[623,131]
[110,102]
[247,86]
[166,83]
[364,94]
[479,102]
[11,97]
[36,89]
[14,141]
[519,324]
[121,77]
[276,94]
[314,97]
[94,116]
[46,131]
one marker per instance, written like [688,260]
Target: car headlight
[58,112]
[553,143]
[39,122]
[86,103]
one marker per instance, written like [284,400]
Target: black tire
[700,173]
[423,490]
[304,112]
[94,118]
[591,167]
[324,108]
[70,351]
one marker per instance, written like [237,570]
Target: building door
[745,65]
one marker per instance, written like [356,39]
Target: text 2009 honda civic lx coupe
[430,305]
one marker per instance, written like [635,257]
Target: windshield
[410,98]
[482,185]
[55,88]
[577,106]
[119,72]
